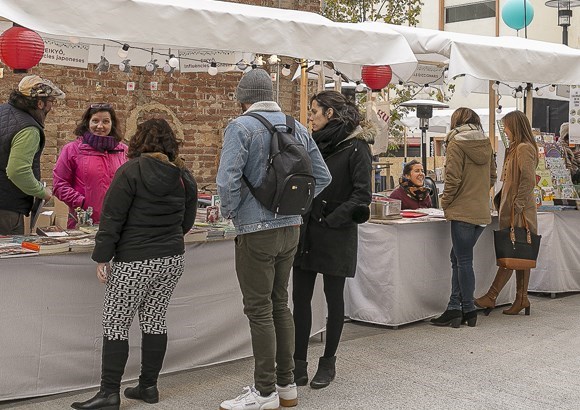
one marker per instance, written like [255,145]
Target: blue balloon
[512,14]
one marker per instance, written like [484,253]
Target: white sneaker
[288,395]
[250,399]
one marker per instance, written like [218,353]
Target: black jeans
[302,290]
[11,223]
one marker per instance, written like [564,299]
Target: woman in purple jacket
[87,165]
[412,191]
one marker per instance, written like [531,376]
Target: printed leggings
[145,286]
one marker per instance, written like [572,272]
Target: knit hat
[255,85]
[34,86]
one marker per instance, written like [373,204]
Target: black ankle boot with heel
[325,373]
[300,372]
[451,318]
[469,318]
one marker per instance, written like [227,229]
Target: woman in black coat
[329,236]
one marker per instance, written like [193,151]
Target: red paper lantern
[376,77]
[21,48]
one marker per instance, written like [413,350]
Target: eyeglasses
[101,105]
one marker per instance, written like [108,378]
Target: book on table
[53,231]
[45,245]
[15,250]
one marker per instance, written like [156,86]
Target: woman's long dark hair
[154,135]
[343,109]
[92,110]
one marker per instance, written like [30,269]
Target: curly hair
[343,109]
[93,109]
[154,135]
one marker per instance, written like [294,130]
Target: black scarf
[418,193]
[330,136]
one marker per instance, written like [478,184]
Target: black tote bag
[516,248]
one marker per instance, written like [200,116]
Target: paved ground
[506,362]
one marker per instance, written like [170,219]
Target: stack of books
[14,250]
[45,245]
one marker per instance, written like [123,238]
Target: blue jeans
[464,236]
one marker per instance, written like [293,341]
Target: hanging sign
[199,60]
[427,74]
[379,113]
[574,115]
[61,52]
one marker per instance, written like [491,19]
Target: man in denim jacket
[265,242]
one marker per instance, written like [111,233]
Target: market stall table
[404,272]
[51,320]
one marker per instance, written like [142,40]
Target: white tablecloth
[404,272]
[558,268]
[50,320]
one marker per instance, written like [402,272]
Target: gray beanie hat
[255,85]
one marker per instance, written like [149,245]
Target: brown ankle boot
[521,302]
[487,301]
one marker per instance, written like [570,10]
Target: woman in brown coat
[519,179]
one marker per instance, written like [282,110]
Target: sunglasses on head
[101,105]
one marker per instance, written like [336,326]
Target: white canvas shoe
[250,399]
[288,395]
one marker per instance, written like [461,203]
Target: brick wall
[198,105]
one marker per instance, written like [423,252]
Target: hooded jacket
[149,206]
[470,172]
[329,236]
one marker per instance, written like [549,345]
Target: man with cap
[21,145]
[265,243]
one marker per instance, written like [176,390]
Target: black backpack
[288,188]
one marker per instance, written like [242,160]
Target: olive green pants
[263,263]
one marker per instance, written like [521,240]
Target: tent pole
[303,92]
[491,116]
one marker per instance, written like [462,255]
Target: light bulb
[273,59]
[446,74]
[519,94]
[514,92]
[212,70]
[151,66]
[539,92]
[317,67]
[427,89]
[258,61]
[123,51]
[173,61]
[167,68]
[498,109]
[74,40]
[286,70]
[242,65]
[359,87]
[552,88]
[495,86]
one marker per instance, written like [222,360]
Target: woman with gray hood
[470,172]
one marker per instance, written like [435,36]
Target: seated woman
[412,190]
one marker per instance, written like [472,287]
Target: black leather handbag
[516,248]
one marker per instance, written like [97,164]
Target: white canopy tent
[504,58]
[215,25]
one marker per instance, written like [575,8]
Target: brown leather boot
[521,302]
[487,301]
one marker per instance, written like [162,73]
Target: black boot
[153,349]
[102,400]
[114,359]
[325,373]
[449,317]
[469,318]
[300,372]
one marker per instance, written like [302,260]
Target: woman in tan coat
[519,179]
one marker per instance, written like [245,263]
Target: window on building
[473,11]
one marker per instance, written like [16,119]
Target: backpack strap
[290,122]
